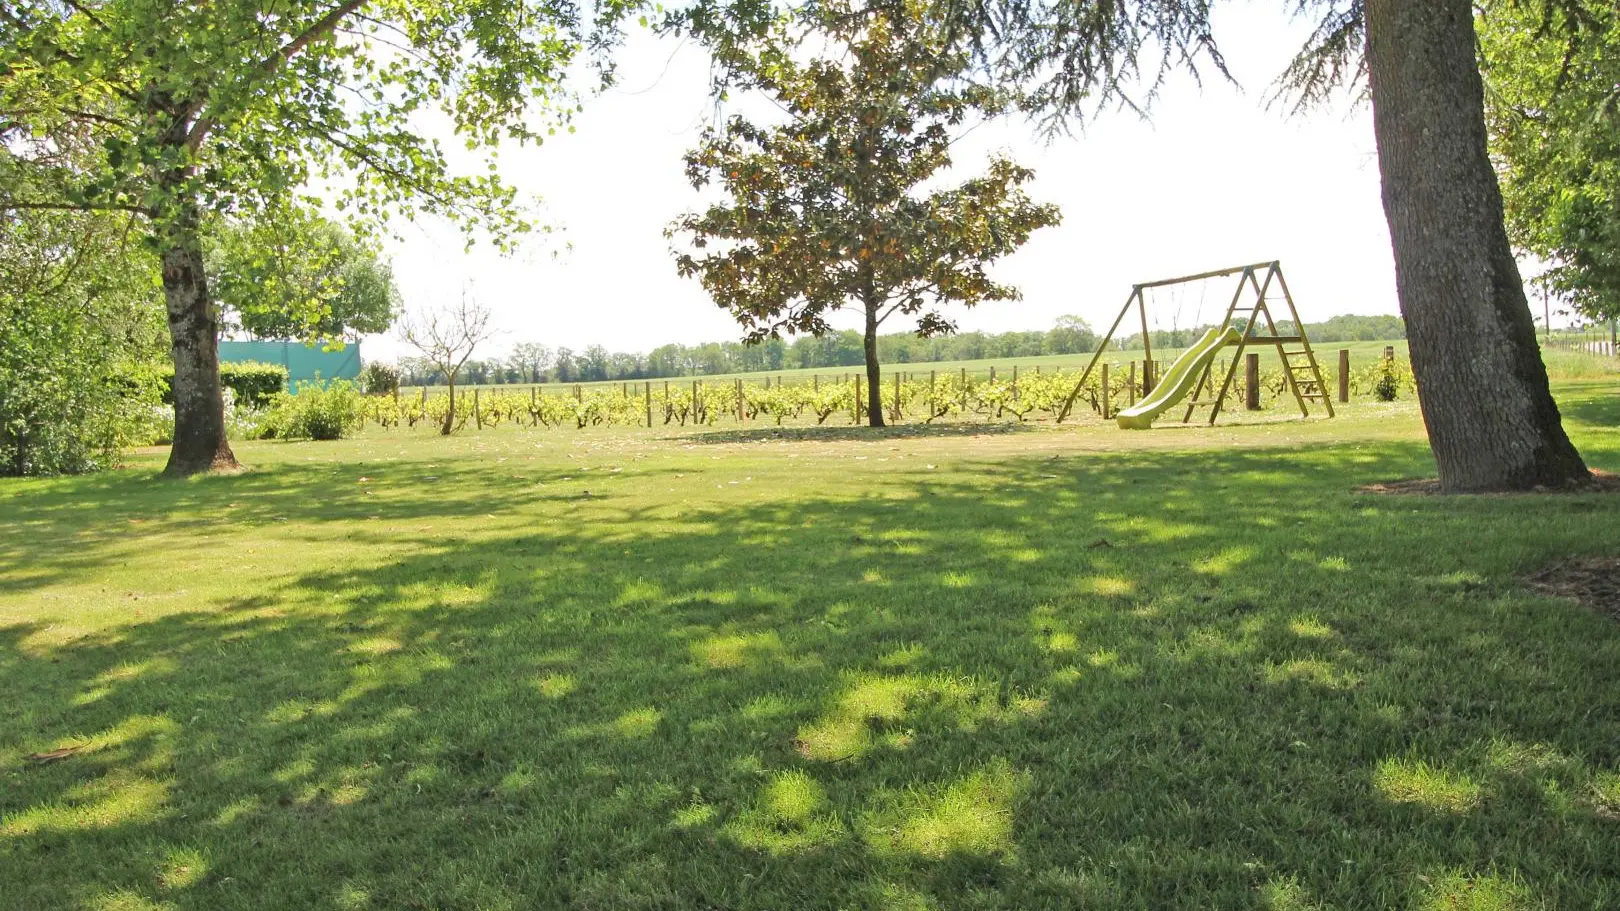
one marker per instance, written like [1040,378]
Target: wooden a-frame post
[1303,377]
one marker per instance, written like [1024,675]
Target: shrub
[67,418]
[377,378]
[316,411]
[253,383]
[1388,385]
[1385,379]
[78,338]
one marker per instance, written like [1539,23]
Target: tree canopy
[300,277]
[830,207]
[1553,109]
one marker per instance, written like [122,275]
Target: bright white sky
[1214,180]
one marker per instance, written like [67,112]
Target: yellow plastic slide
[1179,381]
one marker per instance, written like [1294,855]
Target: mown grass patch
[1059,668]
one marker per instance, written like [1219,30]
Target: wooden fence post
[1344,375]
[1251,381]
[1103,397]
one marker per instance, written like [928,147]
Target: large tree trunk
[874,380]
[199,407]
[1482,386]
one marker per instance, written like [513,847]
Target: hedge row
[252,382]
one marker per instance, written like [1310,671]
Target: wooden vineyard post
[424,399]
[694,402]
[1130,384]
[815,382]
[964,389]
[396,398]
[1389,352]
[992,373]
[1015,383]
[857,400]
[1104,397]
[534,410]
[648,384]
[1344,375]
[1251,381]
[579,394]
[478,414]
[897,414]
[742,412]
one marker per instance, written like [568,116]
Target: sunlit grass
[1051,668]
[1416,782]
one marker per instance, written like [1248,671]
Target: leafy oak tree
[300,277]
[829,208]
[1553,110]
[232,107]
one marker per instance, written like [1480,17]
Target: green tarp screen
[303,363]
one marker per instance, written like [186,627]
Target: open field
[993,666]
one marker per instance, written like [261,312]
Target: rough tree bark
[1483,389]
[199,407]
[874,381]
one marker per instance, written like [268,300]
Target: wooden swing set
[1301,372]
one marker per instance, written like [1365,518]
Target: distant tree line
[530,362]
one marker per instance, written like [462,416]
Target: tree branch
[13,205]
[270,65]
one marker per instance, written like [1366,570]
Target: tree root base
[1599,482]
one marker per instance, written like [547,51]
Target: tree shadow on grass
[102,520]
[1151,680]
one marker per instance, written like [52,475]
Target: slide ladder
[1301,372]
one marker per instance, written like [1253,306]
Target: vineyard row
[907,396]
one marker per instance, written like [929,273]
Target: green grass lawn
[1002,667]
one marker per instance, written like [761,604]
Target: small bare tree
[446,337]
